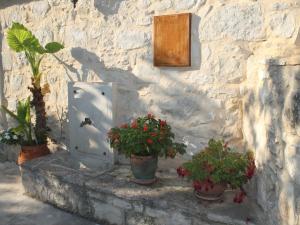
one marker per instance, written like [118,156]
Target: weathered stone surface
[238,22]
[108,213]
[283,25]
[134,219]
[161,5]
[130,39]
[40,8]
[105,197]
[184,4]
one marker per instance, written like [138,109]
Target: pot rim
[30,146]
[143,157]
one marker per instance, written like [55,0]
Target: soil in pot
[143,169]
[210,193]
[31,152]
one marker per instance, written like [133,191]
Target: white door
[90,118]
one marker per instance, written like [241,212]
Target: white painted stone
[45,35]
[283,25]
[7,61]
[280,6]
[16,82]
[131,39]
[144,21]
[235,21]
[146,72]
[184,4]
[40,8]
[143,4]
[161,5]
[75,36]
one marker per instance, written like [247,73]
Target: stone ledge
[109,197]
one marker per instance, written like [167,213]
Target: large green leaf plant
[21,39]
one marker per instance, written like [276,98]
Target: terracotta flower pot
[212,193]
[31,152]
[143,169]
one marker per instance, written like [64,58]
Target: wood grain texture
[172,40]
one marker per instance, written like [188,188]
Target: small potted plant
[144,140]
[217,167]
[20,39]
[23,134]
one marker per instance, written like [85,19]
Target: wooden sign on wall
[172,40]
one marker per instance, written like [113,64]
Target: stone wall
[243,83]
[112,41]
[271,127]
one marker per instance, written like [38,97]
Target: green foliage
[9,137]
[220,164]
[23,118]
[145,136]
[20,39]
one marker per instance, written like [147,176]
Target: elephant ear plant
[32,138]
[20,39]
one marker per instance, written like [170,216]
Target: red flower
[153,134]
[145,127]
[239,197]
[125,125]
[150,116]
[134,124]
[250,170]
[149,141]
[225,145]
[162,123]
[182,172]
[197,185]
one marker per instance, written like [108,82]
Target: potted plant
[22,134]
[20,39]
[144,140]
[217,167]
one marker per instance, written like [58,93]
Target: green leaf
[53,47]
[20,39]
[12,114]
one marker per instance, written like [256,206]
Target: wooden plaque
[172,40]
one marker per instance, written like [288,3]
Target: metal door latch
[87,121]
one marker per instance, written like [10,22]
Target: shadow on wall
[198,113]
[278,102]
[3,120]
[7,3]
[108,7]
[128,83]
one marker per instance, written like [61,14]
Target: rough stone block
[108,213]
[131,39]
[283,25]
[236,21]
[139,219]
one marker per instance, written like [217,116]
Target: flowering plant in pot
[144,140]
[20,39]
[217,167]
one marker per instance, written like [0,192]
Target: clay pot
[31,152]
[143,169]
[211,194]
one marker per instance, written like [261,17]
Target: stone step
[109,197]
